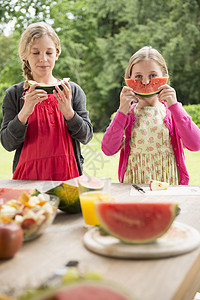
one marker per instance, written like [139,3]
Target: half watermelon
[146,90]
[136,223]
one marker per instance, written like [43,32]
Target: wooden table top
[170,278]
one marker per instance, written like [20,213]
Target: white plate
[179,239]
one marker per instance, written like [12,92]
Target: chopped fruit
[27,223]
[158,185]
[32,213]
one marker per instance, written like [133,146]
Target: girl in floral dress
[150,131]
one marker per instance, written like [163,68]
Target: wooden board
[179,239]
[183,190]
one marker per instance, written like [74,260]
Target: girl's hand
[127,98]
[64,98]
[167,94]
[32,97]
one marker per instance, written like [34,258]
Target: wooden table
[150,279]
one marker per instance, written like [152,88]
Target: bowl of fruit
[34,213]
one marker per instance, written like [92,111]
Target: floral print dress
[151,154]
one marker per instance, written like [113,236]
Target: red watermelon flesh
[136,222]
[87,291]
[147,90]
[7,194]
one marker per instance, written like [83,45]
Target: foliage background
[99,37]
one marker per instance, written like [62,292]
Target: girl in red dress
[44,129]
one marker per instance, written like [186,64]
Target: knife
[138,188]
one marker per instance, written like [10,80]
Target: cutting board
[183,190]
[179,239]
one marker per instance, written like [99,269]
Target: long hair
[146,53]
[35,31]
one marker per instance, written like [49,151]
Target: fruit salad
[32,213]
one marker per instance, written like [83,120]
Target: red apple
[11,239]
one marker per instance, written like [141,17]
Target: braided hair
[27,70]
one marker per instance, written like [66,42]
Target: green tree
[172,27]
[24,12]
[10,64]
[79,59]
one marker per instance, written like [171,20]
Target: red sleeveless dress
[47,153]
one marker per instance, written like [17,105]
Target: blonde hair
[146,53]
[35,31]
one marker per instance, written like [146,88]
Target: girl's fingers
[36,96]
[65,93]
[36,92]
[132,99]
[164,86]
[32,87]
[66,87]
[55,92]
[41,94]
[66,82]
[127,98]
[126,90]
[42,97]
[167,94]
[60,94]
[127,94]
[167,88]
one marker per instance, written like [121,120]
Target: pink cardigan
[181,128]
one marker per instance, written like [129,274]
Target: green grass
[97,164]
[6,159]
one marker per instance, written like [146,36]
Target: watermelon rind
[69,197]
[115,232]
[69,194]
[152,85]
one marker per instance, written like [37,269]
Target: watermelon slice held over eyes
[136,222]
[146,90]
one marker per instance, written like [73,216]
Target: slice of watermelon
[146,90]
[49,88]
[136,222]
[91,183]
[7,194]
[92,290]
[85,290]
